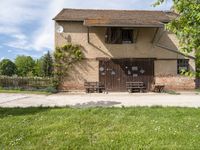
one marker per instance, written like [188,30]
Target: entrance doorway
[115,73]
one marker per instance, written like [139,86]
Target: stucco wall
[165,67]
[76,33]
[86,70]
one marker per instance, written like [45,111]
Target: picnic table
[92,87]
[135,86]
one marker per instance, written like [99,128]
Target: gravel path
[104,100]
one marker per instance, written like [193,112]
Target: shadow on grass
[5,112]
[97,104]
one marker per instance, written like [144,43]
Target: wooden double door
[115,73]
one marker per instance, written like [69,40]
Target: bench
[135,87]
[92,87]
[159,88]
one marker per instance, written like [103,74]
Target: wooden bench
[92,87]
[135,87]
[159,88]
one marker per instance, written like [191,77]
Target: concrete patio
[105,100]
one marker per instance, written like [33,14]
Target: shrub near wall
[27,83]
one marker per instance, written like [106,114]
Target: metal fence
[25,82]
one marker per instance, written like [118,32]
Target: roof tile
[137,15]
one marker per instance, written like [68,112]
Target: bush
[171,92]
[51,89]
[7,67]
[25,65]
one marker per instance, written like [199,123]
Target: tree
[187,26]
[25,65]
[47,65]
[38,70]
[7,67]
[64,58]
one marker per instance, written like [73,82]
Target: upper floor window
[182,65]
[117,35]
[127,36]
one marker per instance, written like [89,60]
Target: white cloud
[2,58]
[19,41]
[15,15]
[45,34]
[19,11]
[7,30]
[45,52]
[18,15]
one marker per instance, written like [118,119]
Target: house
[121,46]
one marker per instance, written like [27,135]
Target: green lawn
[100,128]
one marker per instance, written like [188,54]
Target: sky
[27,28]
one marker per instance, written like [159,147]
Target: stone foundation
[176,82]
[170,82]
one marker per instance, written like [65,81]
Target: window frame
[184,63]
[130,41]
[118,33]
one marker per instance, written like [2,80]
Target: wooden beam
[122,58]
[88,34]
[167,59]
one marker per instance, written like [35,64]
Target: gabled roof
[113,17]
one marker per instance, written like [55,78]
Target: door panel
[115,73]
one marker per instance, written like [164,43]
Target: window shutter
[113,35]
[108,35]
[116,36]
[135,35]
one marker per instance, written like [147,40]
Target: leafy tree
[38,70]
[7,67]
[187,26]
[25,65]
[47,65]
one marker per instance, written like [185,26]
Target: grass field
[100,128]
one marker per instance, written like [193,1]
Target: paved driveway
[105,100]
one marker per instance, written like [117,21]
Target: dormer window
[116,35]
[127,36]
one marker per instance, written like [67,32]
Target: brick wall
[176,82]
